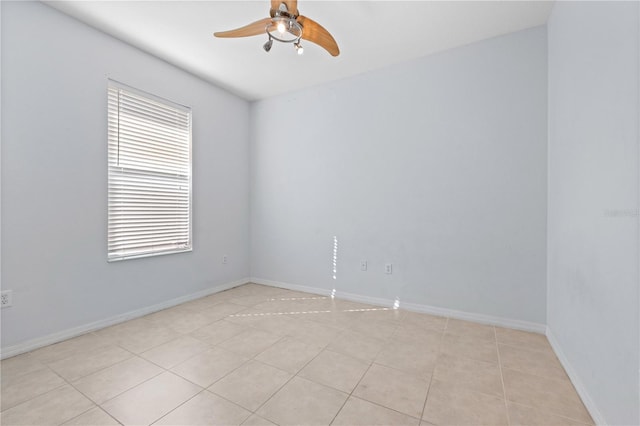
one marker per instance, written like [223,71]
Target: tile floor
[257,355]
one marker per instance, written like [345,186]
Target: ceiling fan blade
[255,28]
[292,6]
[316,33]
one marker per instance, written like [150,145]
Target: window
[149,175]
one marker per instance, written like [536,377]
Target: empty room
[320,212]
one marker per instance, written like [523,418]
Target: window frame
[116,85]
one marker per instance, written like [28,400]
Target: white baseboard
[50,339]
[592,408]
[415,307]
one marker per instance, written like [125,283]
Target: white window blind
[149,175]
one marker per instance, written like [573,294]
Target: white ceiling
[371,34]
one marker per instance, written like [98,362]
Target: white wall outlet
[224,259]
[6,298]
[388,268]
[363,265]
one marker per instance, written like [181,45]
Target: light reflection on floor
[264,314]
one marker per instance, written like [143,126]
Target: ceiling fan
[286,25]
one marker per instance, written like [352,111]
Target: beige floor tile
[166,316]
[85,363]
[189,322]
[471,329]
[278,307]
[208,367]
[554,396]
[21,388]
[338,319]
[249,317]
[301,402]
[479,376]
[280,325]
[358,412]
[534,362]
[375,328]
[356,345]
[393,389]
[385,315]
[110,334]
[456,405]
[314,333]
[176,351]
[250,300]
[295,305]
[52,408]
[256,420]
[19,365]
[112,381]
[409,356]
[233,292]
[204,302]
[521,415]
[339,371]
[523,339]
[293,294]
[59,351]
[289,354]
[139,335]
[221,310]
[151,400]
[253,288]
[205,409]
[218,332]
[251,384]
[242,290]
[94,417]
[250,342]
[424,321]
[430,340]
[348,305]
[469,347]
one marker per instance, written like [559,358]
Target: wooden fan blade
[255,28]
[316,33]
[292,6]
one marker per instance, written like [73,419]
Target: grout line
[504,389]
[352,390]
[92,408]
[284,384]
[438,352]
[126,390]
[386,341]
[38,395]
[426,398]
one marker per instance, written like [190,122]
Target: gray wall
[593,199]
[54,177]
[437,166]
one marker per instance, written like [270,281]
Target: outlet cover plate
[6,299]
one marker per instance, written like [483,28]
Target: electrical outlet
[6,298]
[388,268]
[363,265]
[224,259]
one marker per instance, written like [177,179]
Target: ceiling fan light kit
[285,29]
[286,25]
